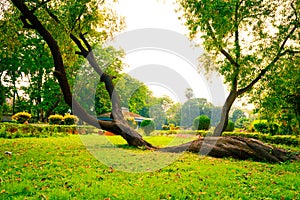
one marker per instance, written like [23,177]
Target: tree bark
[225,112]
[236,147]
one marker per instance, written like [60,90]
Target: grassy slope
[62,168]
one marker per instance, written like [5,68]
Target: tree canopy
[245,38]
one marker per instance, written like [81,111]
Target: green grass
[62,168]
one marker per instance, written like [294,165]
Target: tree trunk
[225,112]
[235,147]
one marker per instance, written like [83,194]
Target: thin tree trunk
[225,112]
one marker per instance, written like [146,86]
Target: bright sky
[141,14]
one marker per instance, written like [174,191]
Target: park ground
[63,168]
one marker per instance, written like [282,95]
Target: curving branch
[276,58]
[221,49]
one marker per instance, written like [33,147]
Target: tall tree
[246,38]
[237,114]
[189,93]
[79,20]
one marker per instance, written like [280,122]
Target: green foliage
[248,42]
[165,127]
[69,119]
[273,128]
[21,117]
[201,122]
[131,122]
[11,130]
[148,126]
[237,114]
[230,126]
[55,119]
[242,123]
[261,126]
[278,98]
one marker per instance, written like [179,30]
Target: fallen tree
[236,147]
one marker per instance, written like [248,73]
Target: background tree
[192,109]
[278,98]
[73,27]
[189,93]
[237,114]
[245,38]
[174,114]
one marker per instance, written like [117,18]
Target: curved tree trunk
[118,125]
[225,112]
[235,147]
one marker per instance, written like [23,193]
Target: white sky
[141,14]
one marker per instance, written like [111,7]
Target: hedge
[12,130]
[275,139]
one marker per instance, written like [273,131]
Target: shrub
[274,128]
[261,126]
[21,117]
[70,119]
[131,122]
[172,127]
[12,130]
[165,127]
[242,123]
[230,126]
[148,126]
[201,123]
[55,119]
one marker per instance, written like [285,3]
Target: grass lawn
[62,168]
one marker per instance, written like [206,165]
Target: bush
[55,119]
[172,127]
[12,130]
[21,117]
[261,126]
[165,127]
[242,123]
[148,126]
[70,119]
[230,126]
[274,128]
[131,122]
[201,123]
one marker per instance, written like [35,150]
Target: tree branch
[26,23]
[289,51]
[83,51]
[276,58]
[86,43]
[222,50]
[41,5]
